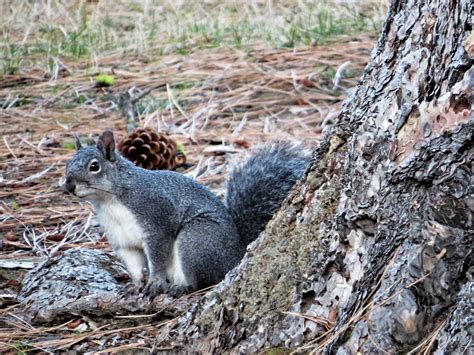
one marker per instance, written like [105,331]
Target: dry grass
[43,32]
[218,90]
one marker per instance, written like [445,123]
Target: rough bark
[372,250]
[86,282]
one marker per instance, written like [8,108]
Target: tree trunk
[372,251]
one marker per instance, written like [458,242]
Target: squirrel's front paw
[178,291]
[154,287]
[133,289]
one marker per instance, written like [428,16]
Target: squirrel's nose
[69,186]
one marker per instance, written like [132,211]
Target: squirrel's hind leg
[208,249]
[173,280]
[157,251]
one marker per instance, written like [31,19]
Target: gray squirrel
[184,235]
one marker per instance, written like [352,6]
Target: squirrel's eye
[94,167]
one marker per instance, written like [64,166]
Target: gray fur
[177,217]
[256,190]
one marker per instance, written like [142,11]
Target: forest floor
[221,79]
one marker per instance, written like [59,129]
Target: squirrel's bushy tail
[256,189]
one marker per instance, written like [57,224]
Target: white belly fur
[123,232]
[174,270]
[121,226]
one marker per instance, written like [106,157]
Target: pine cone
[151,150]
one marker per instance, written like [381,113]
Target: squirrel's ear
[78,142]
[106,144]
